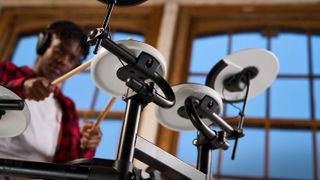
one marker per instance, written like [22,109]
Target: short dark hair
[67,30]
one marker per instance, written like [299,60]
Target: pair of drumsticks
[75,71]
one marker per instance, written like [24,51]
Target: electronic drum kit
[134,71]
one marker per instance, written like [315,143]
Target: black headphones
[44,40]
[65,29]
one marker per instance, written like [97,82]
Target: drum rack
[130,145]
[138,96]
[143,81]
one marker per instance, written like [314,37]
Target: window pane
[90,55]
[316,54]
[125,36]
[291,154]
[108,146]
[256,107]
[197,79]
[233,109]
[207,51]
[187,152]
[80,89]
[249,156]
[290,99]
[317,98]
[291,50]
[25,52]
[242,41]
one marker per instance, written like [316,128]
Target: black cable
[241,118]
[233,105]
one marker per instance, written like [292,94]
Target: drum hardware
[139,94]
[142,74]
[229,76]
[196,102]
[236,73]
[200,105]
[241,76]
[123,2]
[105,66]
[10,104]
[14,114]
[142,77]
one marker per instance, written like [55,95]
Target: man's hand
[89,139]
[37,88]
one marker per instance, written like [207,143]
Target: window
[289,98]
[281,123]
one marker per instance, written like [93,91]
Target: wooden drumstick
[103,114]
[71,73]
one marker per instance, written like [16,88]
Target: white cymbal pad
[13,122]
[170,117]
[105,66]
[265,62]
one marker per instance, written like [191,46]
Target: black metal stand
[204,155]
[92,169]
[167,164]
[207,139]
[128,135]
[10,104]
[42,170]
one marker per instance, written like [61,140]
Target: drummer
[52,134]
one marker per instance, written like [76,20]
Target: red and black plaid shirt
[68,147]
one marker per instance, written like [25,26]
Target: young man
[52,134]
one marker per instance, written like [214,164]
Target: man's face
[60,57]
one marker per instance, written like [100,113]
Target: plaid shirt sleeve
[13,77]
[68,147]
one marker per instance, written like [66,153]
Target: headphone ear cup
[43,43]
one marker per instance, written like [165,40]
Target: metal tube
[11,104]
[128,136]
[42,170]
[193,115]
[221,123]
[204,157]
[129,130]
[105,24]
[118,51]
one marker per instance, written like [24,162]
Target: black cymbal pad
[123,2]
